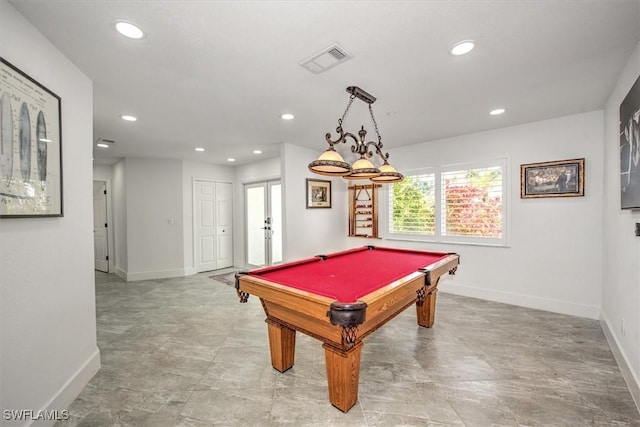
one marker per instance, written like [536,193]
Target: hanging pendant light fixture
[332,163]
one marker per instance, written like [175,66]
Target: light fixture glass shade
[363,169]
[387,175]
[330,163]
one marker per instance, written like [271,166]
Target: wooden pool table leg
[426,309]
[282,343]
[343,374]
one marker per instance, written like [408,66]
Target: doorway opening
[100,226]
[263,227]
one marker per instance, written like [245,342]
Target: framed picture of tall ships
[630,149]
[30,146]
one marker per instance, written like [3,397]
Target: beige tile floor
[185,352]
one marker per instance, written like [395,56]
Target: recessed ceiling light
[287,116]
[129,30]
[230,159]
[129,118]
[497,111]
[462,47]
[102,145]
[257,152]
[199,149]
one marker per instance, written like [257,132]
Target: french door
[263,229]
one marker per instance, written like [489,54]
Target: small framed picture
[318,193]
[562,178]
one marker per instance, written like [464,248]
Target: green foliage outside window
[471,199]
[413,205]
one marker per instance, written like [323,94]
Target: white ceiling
[218,74]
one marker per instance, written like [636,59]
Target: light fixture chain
[375,126]
[351,98]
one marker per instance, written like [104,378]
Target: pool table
[341,298]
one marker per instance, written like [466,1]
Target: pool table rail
[295,308]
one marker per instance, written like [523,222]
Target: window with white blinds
[461,203]
[412,206]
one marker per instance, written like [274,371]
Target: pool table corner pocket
[348,316]
[244,296]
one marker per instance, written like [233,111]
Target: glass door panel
[255,198]
[263,203]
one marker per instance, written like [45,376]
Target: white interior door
[213,225]
[100,226]
[263,203]
[204,225]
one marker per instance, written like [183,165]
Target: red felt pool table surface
[349,275]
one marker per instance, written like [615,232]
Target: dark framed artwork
[630,149]
[561,178]
[318,193]
[30,146]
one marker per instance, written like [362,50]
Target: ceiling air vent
[104,142]
[325,59]
[337,53]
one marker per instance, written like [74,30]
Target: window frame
[437,237]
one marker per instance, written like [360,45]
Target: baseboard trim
[120,273]
[72,388]
[151,275]
[546,304]
[627,373]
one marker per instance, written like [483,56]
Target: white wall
[264,170]
[102,172]
[154,208]
[190,172]
[553,261]
[621,285]
[153,214]
[143,200]
[48,348]
[310,232]
[119,199]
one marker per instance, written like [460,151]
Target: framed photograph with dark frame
[30,146]
[630,149]
[318,193]
[562,178]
